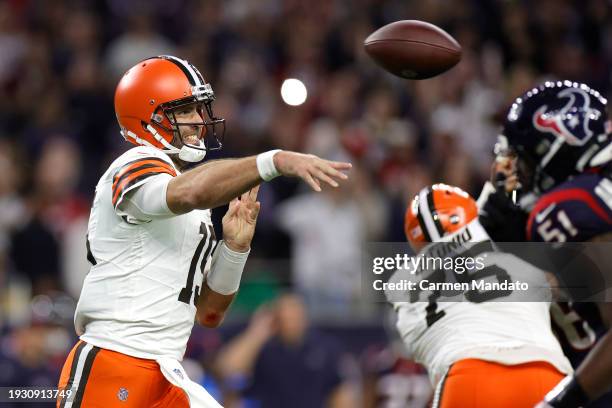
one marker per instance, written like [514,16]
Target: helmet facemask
[211,129]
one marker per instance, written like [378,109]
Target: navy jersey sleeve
[574,212]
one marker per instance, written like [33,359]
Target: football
[413,49]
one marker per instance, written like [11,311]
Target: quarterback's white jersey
[510,332]
[140,294]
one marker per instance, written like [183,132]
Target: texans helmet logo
[570,122]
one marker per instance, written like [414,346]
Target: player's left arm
[595,372]
[593,378]
[222,281]
[590,381]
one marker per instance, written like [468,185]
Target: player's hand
[310,168]
[240,220]
[503,220]
[504,174]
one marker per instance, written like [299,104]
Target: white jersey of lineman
[139,296]
[511,332]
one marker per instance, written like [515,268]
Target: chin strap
[192,155]
[186,153]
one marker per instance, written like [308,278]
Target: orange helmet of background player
[437,211]
[149,93]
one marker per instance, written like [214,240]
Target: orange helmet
[149,93]
[437,211]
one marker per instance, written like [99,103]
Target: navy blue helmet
[557,129]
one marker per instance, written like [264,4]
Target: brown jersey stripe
[131,166]
[132,177]
[119,180]
[141,160]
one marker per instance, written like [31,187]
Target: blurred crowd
[62,59]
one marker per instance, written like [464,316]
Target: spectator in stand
[139,42]
[286,363]
[57,221]
[327,231]
[32,353]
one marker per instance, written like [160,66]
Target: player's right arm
[217,183]
[595,373]
[592,379]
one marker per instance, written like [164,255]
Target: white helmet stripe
[427,215]
[187,68]
[198,73]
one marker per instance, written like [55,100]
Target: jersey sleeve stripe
[131,166]
[154,165]
[130,180]
[573,194]
[119,180]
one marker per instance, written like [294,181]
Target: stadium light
[293,92]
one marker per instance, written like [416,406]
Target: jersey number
[474,295]
[550,233]
[578,332]
[206,245]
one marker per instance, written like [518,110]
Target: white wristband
[265,165]
[226,269]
